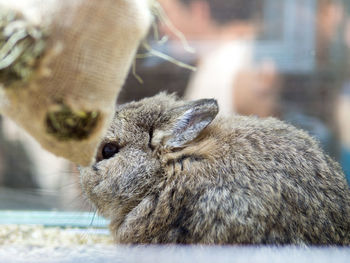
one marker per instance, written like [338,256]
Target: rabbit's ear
[189,120]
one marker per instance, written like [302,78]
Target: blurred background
[283,58]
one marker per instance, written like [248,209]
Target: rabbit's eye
[109,150]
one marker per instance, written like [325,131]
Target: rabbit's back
[275,185]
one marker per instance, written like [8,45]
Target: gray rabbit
[170,171]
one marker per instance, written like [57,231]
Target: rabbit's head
[129,164]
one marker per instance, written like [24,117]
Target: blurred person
[222,32]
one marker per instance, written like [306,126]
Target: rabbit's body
[243,180]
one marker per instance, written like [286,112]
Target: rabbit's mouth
[91,182]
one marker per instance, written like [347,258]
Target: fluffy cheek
[118,184]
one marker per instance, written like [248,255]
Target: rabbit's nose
[95,168]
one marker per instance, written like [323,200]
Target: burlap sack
[75,57]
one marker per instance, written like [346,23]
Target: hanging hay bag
[62,64]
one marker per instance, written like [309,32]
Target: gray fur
[241,180]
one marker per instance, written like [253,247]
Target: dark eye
[109,150]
